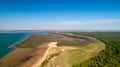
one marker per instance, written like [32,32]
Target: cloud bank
[113,24]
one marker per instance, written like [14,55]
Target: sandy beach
[39,62]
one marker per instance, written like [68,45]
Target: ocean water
[10,39]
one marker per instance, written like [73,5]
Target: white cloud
[89,24]
[107,21]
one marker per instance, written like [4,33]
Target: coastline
[28,35]
[19,36]
[20,41]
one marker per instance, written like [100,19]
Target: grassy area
[75,56]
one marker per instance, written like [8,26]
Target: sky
[59,14]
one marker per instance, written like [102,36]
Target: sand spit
[39,62]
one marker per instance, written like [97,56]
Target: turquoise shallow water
[8,39]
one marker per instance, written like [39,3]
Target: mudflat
[23,57]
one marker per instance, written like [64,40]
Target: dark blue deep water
[9,39]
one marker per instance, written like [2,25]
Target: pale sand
[39,62]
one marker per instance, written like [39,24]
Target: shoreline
[25,37]
[28,35]
[20,41]
[16,43]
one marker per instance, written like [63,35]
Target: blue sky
[59,14]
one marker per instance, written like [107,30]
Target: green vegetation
[110,57]
[74,56]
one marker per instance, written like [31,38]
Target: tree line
[110,57]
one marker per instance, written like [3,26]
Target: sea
[10,39]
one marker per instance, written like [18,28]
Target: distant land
[65,30]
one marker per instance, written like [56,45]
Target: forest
[110,57]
